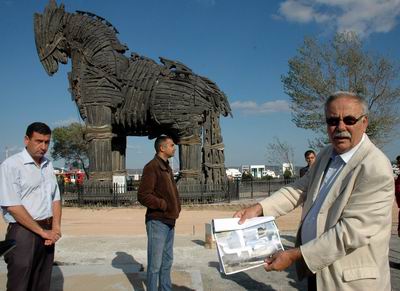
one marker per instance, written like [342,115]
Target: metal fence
[260,188]
[117,195]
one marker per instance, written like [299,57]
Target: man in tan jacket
[345,228]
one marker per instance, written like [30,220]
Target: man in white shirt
[347,197]
[30,202]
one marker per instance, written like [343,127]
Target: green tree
[246,176]
[342,64]
[287,174]
[69,144]
[267,177]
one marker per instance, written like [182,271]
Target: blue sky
[244,46]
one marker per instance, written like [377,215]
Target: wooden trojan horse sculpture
[119,96]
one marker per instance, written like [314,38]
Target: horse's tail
[213,150]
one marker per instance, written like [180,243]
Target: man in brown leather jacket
[158,192]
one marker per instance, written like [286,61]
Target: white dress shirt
[22,182]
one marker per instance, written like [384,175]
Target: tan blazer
[354,223]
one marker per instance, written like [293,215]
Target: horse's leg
[99,135]
[118,147]
[190,158]
[213,151]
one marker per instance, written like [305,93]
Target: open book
[244,246]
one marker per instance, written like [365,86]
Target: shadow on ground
[134,271]
[57,281]
[199,242]
[128,264]
[242,279]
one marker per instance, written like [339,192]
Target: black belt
[45,222]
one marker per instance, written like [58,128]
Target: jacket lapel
[344,176]
[341,181]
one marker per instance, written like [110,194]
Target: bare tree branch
[279,152]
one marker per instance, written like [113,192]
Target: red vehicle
[74,177]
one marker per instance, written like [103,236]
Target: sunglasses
[348,120]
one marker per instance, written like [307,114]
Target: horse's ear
[53,4]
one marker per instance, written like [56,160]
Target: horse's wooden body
[119,96]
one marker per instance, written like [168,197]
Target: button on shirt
[333,169]
[22,182]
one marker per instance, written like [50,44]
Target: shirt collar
[347,155]
[27,158]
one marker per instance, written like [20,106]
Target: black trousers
[312,283]
[30,263]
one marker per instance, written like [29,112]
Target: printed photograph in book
[247,248]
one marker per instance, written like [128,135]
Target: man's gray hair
[352,95]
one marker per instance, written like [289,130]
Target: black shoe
[6,246]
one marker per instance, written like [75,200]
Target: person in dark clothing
[158,192]
[309,156]
[397,192]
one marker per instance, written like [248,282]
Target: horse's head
[51,44]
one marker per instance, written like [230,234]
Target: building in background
[233,173]
[270,173]
[259,171]
[134,174]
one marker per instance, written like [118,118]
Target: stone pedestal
[209,237]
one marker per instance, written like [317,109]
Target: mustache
[342,134]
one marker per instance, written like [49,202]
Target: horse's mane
[98,18]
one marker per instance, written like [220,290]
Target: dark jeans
[160,241]
[30,263]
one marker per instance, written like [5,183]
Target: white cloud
[251,107]
[362,16]
[297,11]
[137,149]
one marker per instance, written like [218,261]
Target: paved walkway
[116,261]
